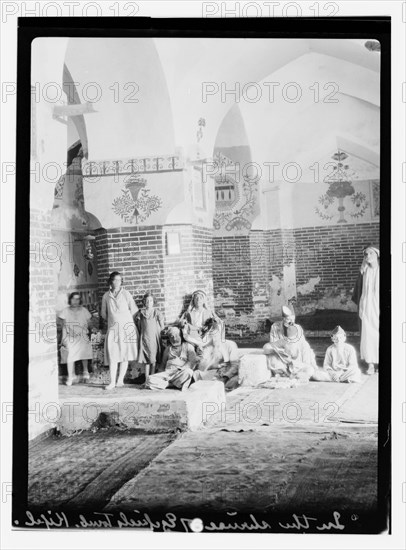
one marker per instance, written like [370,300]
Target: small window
[173,243]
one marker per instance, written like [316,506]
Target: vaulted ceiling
[325,96]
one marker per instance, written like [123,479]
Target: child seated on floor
[340,362]
[179,362]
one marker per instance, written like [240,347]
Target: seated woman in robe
[179,361]
[340,362]
[291,356]
[195,318]
[215,353]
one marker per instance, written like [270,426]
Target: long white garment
[369,315]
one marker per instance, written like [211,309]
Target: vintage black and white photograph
[205,302]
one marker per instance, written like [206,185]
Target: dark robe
[356,295]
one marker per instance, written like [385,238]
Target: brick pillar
[260,257]
[137,252]
[232,284]
[141,255]
[43,365]
[189,270]
[232,272]
[282,270]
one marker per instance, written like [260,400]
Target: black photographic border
[378,28]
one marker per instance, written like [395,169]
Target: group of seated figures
[290,355]
[195,347]
[197,350]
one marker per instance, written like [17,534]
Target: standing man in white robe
[366,295]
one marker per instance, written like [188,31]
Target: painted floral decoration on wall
[376,199]
[340,187]
[326,210]
[135,202]
[238,219]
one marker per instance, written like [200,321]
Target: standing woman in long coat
[366,296]
[121,343]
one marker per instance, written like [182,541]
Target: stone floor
[269,453]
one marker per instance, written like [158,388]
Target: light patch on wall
[225,298]
[337,299]
[276,295]
[173,243]
[275,285]
[308,287]
[289,278]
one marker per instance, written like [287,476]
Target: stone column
[48,157]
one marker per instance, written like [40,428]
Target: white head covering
[364,264]
[338,330]
[374,248]
[287,312]
[195,293]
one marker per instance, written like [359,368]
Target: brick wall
[140,253]
[43,367]
[189,270]
[137,252]
[260,255]
[330,256]
[247,278]
[179,273]
[232,272]
[315,267]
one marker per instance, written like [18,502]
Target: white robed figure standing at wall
[366,294]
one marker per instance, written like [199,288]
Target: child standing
[150,323]
[340,362]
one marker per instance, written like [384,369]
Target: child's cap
[337,331]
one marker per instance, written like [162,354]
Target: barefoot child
[340,362]
[150,322]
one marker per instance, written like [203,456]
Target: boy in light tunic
[340,361]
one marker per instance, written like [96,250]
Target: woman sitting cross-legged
[195,318]
[179,361]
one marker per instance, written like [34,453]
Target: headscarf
[195,293]
[364,264]
[374,248]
